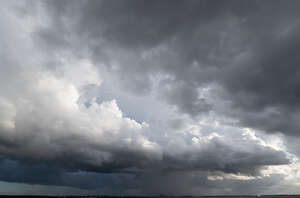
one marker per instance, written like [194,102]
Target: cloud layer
[148,96]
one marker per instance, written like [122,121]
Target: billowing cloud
[190,45]
[146,96]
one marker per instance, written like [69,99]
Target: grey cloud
[184,96]
[247,47]
[178,183]
[77,152]
[24,171]
[269,81]
[174,52]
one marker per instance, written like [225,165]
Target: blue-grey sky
[139,97]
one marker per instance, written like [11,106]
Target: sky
[140,97]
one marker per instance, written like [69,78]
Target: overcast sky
[148,97]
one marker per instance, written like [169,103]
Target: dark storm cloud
[249,48]
[75,153]
[177,183]
[193,55]
[24,171]
[269,81]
